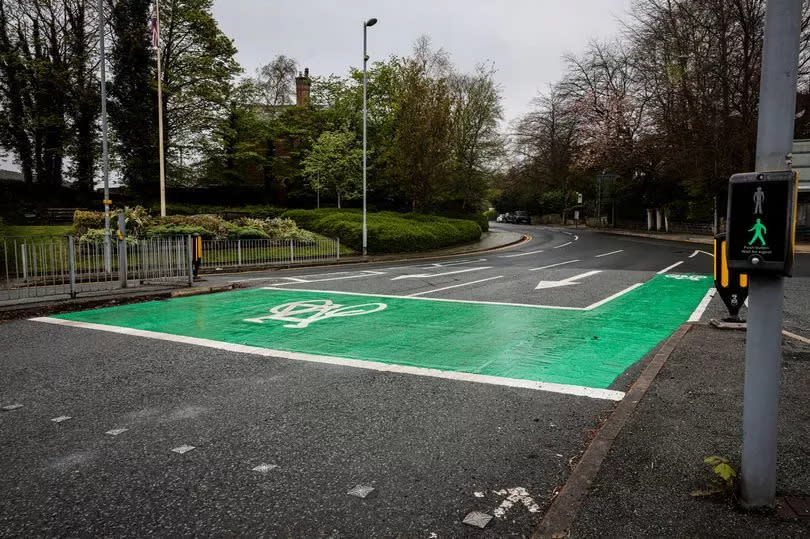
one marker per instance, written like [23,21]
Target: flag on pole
[154,26]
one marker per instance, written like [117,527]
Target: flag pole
[160,113]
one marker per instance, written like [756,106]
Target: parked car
[499,218]
[521,217]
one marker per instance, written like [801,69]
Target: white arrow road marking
[666,269]
[521,254]
[565,282]
[453,286]
[699,251]
[563,245]
[365,273]
[610,253]
[513,496]
[554,265]
[427,275]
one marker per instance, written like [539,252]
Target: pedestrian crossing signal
[761,224]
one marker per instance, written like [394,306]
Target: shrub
[178,230]
[476,216]
[491,215]
[96,236]
[388,231]
[259,211]
[84,220]
[136,219]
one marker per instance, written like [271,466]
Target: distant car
[521,217]
[499,218]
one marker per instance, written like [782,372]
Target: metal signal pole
[763,344]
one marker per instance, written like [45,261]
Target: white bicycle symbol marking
[317,309]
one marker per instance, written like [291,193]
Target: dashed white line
[12,407]
[453,286]
[563,245]
[429,275]
[521,254]
[666,269]
[701,308]
[184,449]
[582,391]
[610,253]
[264,468]
[554,265]
[116,432]
[61,418]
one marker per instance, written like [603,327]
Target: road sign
[732,285]
[761,221]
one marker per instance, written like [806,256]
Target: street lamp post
[366,24]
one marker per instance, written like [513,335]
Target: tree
[133,96]
[276,81]
[334,163]
[198,68]
[422,156]
[83,106]
[476,143]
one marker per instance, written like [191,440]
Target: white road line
[594,393]
[698,251]
[475,302]
[554,265]
[563,245]
[799,338]
[666,269]
[593,306]
[521,254]
[610,253]
[429,275]
[701,308]
[456,263]
[454,286]
[365,274]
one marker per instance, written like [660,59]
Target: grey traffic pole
[366,24]
[105,158]
[763,344]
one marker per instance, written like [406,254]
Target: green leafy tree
[334,163]
[133,96]
[198,69]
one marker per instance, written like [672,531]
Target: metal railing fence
[64,266]
[221,254]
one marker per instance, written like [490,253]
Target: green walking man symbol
[758,229]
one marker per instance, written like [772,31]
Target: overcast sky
[524,38]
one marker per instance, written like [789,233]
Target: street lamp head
[371,22]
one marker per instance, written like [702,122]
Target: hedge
[388,232]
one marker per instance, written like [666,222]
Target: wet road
[280,437]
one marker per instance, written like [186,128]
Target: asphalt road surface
[447,385]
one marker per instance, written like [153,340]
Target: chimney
[302,84]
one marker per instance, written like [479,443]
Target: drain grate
[793,507]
